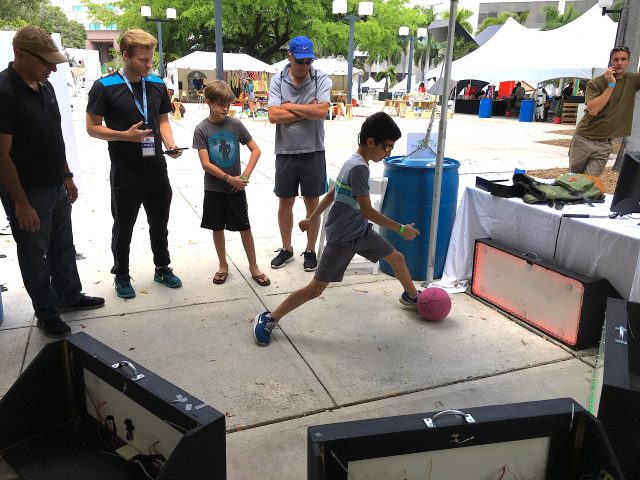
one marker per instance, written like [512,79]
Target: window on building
[109,6]
[77,8]
[113,26]
[94,26]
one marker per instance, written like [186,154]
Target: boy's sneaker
[310,260]
[409,301]
[85,303]
[262,328]
[283,257]
[166,276]
[54,327]
[123,286]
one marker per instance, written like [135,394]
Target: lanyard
[142,109]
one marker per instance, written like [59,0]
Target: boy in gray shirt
[348,230]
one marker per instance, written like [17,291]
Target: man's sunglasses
[387,148]
[42,60]
[620,49]
[301,61]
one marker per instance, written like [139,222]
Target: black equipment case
[83,411]
[550,439]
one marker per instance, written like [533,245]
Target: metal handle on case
[124,363]
[622,335]
[431,422]
[531,255]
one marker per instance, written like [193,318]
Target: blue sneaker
[262,328]
[409,301]
[123,286]
[166,276]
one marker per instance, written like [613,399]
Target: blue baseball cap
[301,47]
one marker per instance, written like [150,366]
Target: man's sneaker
[166,276]
[262,328]
[409,301]
[123,286]
[85,303]
[54,327]
[310,261]
[283,257]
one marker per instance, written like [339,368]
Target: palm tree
[462,17]
[520,17]
[423,53]
[389,75]
[460,49]
[555,19]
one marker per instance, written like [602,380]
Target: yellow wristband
[401,231]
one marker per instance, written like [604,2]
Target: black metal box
[620,396]
[550,439]
[84,411]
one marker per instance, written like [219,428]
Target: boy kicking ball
[348,230]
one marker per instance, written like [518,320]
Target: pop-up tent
[336,68]
[181,71]
[579,49]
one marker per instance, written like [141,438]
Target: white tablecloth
[595,247]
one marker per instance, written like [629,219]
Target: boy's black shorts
[225,211]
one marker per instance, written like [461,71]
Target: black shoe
[54,327]
[85,303]
[310,261]
[283,257]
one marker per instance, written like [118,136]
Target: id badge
[149,146]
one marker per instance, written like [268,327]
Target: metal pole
[218,35]
[411,38]
[352,30]
[442,136]
[160,49]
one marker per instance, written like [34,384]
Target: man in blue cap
[299,98]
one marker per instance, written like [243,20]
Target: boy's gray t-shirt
[303,136]
[345,221]
[222,141]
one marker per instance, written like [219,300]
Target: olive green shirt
[615,119]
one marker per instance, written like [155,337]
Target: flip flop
[220,277]
[262,280]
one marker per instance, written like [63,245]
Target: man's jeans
[47,258]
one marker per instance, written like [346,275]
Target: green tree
[555,19]
[520,17]
[460,49]
[13,14]
[390,76]
[462,17]
[53,19]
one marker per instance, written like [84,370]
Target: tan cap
[36,40]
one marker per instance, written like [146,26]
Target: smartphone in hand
[176,150]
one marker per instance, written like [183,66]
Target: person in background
[299,98]
[170,88]
[609,102]
[198,83]
[36,185]
[250,97]
[421,88]
[134,107]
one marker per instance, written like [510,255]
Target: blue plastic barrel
[486,106]
[527,108]
[408,199]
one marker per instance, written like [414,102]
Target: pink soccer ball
[434,304]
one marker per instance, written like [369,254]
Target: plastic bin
[486,106]
[527,108]
[408,199]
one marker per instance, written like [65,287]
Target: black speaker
[620,396]
[84,411]
[551,439]
[563,304]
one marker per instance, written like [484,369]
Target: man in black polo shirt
[37,188]
[135,106]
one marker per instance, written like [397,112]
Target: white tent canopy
[518,53]
[373,85]
[336,68]
[205,62]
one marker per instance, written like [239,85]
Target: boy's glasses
[387,148]
[301,61]
[620,48]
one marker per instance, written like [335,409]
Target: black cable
[555,248]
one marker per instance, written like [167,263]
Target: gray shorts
[588,156]
[307,170]
[335,257]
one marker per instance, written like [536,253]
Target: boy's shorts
[336,257]
[308,170]
[225,211]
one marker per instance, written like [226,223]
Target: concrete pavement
[353,353]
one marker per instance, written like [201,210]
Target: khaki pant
[587,156]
